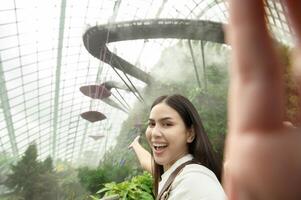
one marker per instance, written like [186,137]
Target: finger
[248,34]
[230,187]
[256,92]
[288,124]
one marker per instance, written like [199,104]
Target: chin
[159,161]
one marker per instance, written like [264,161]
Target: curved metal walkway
[96,37]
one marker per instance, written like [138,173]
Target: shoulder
[198,171]
[197,182]
[195,173]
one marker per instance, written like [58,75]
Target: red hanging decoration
[95,91]
[93,116]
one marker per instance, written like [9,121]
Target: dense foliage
[292,98]
[139,187]
[94,179]
[32,179]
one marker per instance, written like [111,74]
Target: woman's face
[167,135]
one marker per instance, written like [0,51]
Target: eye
[151,124]
[166,124]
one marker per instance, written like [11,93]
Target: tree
[32,179]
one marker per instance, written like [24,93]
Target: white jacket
[194,182]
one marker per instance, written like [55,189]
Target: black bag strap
[172,177]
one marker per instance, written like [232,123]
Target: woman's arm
[143,155]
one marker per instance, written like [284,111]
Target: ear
[190,135]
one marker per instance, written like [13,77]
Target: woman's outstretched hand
[144,157]
[262,155]
[135,142]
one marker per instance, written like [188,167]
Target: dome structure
[48,50]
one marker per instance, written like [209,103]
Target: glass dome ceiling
[47,53]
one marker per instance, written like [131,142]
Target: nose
[156,131]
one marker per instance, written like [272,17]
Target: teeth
[159,145]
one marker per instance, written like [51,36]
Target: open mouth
[159,147]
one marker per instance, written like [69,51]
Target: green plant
[139,187]
[92,179]
[108,171]
[32,179]
[71,189]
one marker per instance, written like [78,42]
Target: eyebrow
[162,119]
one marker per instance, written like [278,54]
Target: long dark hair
[200,148]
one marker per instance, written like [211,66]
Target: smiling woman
[184,163]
